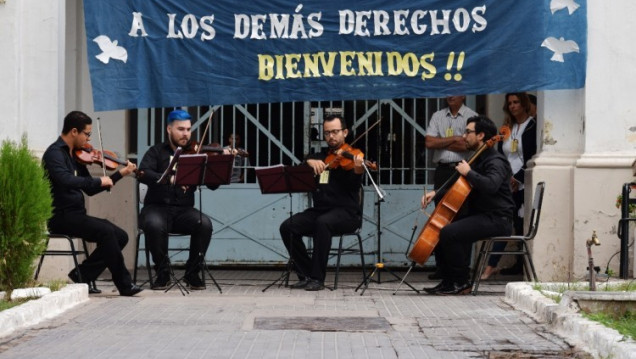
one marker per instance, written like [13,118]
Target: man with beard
[488,208]
[336,209]
[444,137]
[170,209]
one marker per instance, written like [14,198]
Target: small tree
[25,207]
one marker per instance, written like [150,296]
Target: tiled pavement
[245,322]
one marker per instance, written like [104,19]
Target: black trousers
[158,221]
[109,238]
[456,240]
[321,225]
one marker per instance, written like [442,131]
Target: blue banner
[165,53]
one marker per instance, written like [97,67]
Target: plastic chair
[486,249]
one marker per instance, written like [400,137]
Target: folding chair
[141,193]
[72,251]
[486,249]
[338,252]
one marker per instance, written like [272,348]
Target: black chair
[338,252]
[141,193]
[72,251]
[486,249]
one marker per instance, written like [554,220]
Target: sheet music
[165,177]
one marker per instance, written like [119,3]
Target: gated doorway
[389,132]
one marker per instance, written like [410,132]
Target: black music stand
[286,179]
[197,170]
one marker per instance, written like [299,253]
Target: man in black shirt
[489,208]
[68,180]
[336,209]
[170,209]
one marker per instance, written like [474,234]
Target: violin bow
[205,131]
[366,131]
[101,145]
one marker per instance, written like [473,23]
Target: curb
[600,341]
[38,310]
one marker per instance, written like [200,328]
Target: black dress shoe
[301,284]
[437,288]
[456,288]
[129,292]
[314,285]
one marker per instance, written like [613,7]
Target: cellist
[336,206]
[488,208]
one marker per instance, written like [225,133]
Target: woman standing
[518,148]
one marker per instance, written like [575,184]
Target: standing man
[170,209]
[489,208]
[336,209]
[444,135]
[68,180]
[240,160]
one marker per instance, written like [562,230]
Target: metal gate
[246,222]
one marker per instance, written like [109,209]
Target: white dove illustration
[556,5]
[559,47]
[110,50]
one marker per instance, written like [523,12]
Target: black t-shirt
[342,189]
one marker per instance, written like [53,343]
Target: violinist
[70,180]
[487,211]
[336,206]
[170,209]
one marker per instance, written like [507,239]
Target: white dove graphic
[556,5]
[110,50]
[559,47]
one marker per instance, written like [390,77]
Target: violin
[211,149]
[88,155]
[343,158]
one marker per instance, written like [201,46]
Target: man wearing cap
[170,209]
[444,135]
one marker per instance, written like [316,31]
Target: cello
[448,207]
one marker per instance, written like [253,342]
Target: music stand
[286,179]
[201,169]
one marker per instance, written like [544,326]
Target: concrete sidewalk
[244,322]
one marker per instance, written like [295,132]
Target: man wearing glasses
[336,209]
[487,211]
[69,181]
[444,136]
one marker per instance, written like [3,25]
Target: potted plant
[25,207]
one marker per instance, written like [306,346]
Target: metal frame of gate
[283,133]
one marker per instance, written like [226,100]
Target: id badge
[449,132]
[514,145]
[324,177]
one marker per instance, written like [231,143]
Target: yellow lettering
[265,67]
[428,69]
[291,66]
[280,75]
[345,63]
[327,65]
[311,64]
[410,64]
[393,60]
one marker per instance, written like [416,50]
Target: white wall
[31,70]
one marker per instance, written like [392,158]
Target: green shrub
[25,207]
